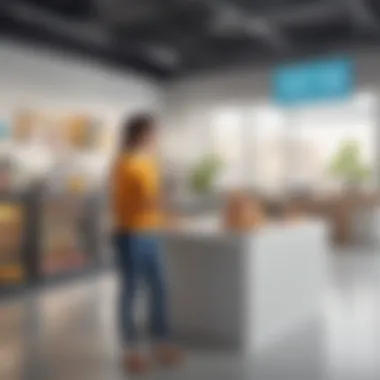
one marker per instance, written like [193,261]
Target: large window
[333,146]
[267,144]
[251,145]
[315,148]
[227,143]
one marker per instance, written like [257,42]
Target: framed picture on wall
[82,132]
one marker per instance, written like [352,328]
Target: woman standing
[137,219]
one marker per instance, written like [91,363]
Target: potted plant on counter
[348,166]
[204,174]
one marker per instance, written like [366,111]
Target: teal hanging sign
[313,82]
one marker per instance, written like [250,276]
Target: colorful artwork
[82,132]
[56,130]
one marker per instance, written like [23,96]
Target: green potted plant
[204,173]
[348,165]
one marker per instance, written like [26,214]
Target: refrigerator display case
[6,174]
[50,218]
[18,237]
[17,249]
[62,238]
[68,233]
[12,226]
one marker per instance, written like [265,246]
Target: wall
[200,96]
[53,82]
[245,84]
[250,86]
[44,79]
[40,77]
[190,102]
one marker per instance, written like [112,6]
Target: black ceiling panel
[70,8]
[168,38]
[375,7]
[321,34]
[263,5]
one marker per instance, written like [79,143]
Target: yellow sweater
[136,193]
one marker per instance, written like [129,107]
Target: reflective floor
[68,333]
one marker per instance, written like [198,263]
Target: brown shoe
[136,363]
[169,355]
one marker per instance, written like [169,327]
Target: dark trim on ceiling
[111,56]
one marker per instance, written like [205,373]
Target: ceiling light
[164,55]
[258,26]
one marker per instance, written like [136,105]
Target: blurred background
[273,100]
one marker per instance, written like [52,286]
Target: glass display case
[12,227]
[63,234]
[18,240]
[50,219]
[17,249]
[6,173]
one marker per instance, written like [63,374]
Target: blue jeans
[139,262]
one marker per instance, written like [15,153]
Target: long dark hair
[134,129]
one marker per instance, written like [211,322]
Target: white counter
[244,291]
[366,226]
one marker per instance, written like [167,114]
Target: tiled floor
[68,333]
